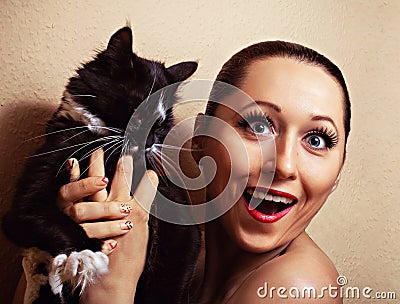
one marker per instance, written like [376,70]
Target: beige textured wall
[43,41]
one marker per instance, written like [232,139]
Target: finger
[88,211]
[75,191]
[109,246]
[121,184]
[109,229]
[146,190]
[74,169]
[96,168]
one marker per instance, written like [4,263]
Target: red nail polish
[105,180]
[113,245]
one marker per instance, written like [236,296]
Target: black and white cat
[97,106]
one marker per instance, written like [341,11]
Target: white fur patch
[94,123]
[80,269]
[161,107]
[93,120]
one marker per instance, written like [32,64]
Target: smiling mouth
[269,202]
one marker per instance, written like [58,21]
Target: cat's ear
[121,41]
[182,71]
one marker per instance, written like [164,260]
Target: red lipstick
[266,218]
[281,193]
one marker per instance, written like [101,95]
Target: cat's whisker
[165,146]
[116,130]
[84,95]
[112,139]
[171,163]
[72,154]
[168,162]
[116,137]
[158,168]
[153,164]
[113,142]
[156,162]
[152,86]
[91,151]
[118,143]
[57,150]
[112,152]
[164,159]
[124,148]
[75,135]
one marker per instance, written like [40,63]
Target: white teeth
[269,197]
[276,198]
[259,195]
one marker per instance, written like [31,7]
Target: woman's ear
[198,138]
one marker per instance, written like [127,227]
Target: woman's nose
[286,158]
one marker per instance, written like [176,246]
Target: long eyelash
[256,116]
[329,135]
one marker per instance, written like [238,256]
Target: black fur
[110,87]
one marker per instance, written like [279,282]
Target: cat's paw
[79,269]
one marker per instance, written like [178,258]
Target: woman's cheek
[319,176]
[230,154]
[220,165]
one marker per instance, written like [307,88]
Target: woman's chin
[249,234]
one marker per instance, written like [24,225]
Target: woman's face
[301,106]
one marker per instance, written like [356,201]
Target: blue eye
[317,142]
[321,139]
[260,128]
[257,123]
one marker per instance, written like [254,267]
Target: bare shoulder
[303,274]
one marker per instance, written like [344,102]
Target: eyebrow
[269,104]
[326,118]
[278,109]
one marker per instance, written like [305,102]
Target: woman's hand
[106,216]
[126,263]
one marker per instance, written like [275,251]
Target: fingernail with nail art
[105,180]
[127,225]
[113,245]
[125,208]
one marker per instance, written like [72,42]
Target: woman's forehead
[294,85]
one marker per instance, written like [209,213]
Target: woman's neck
[226,265]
